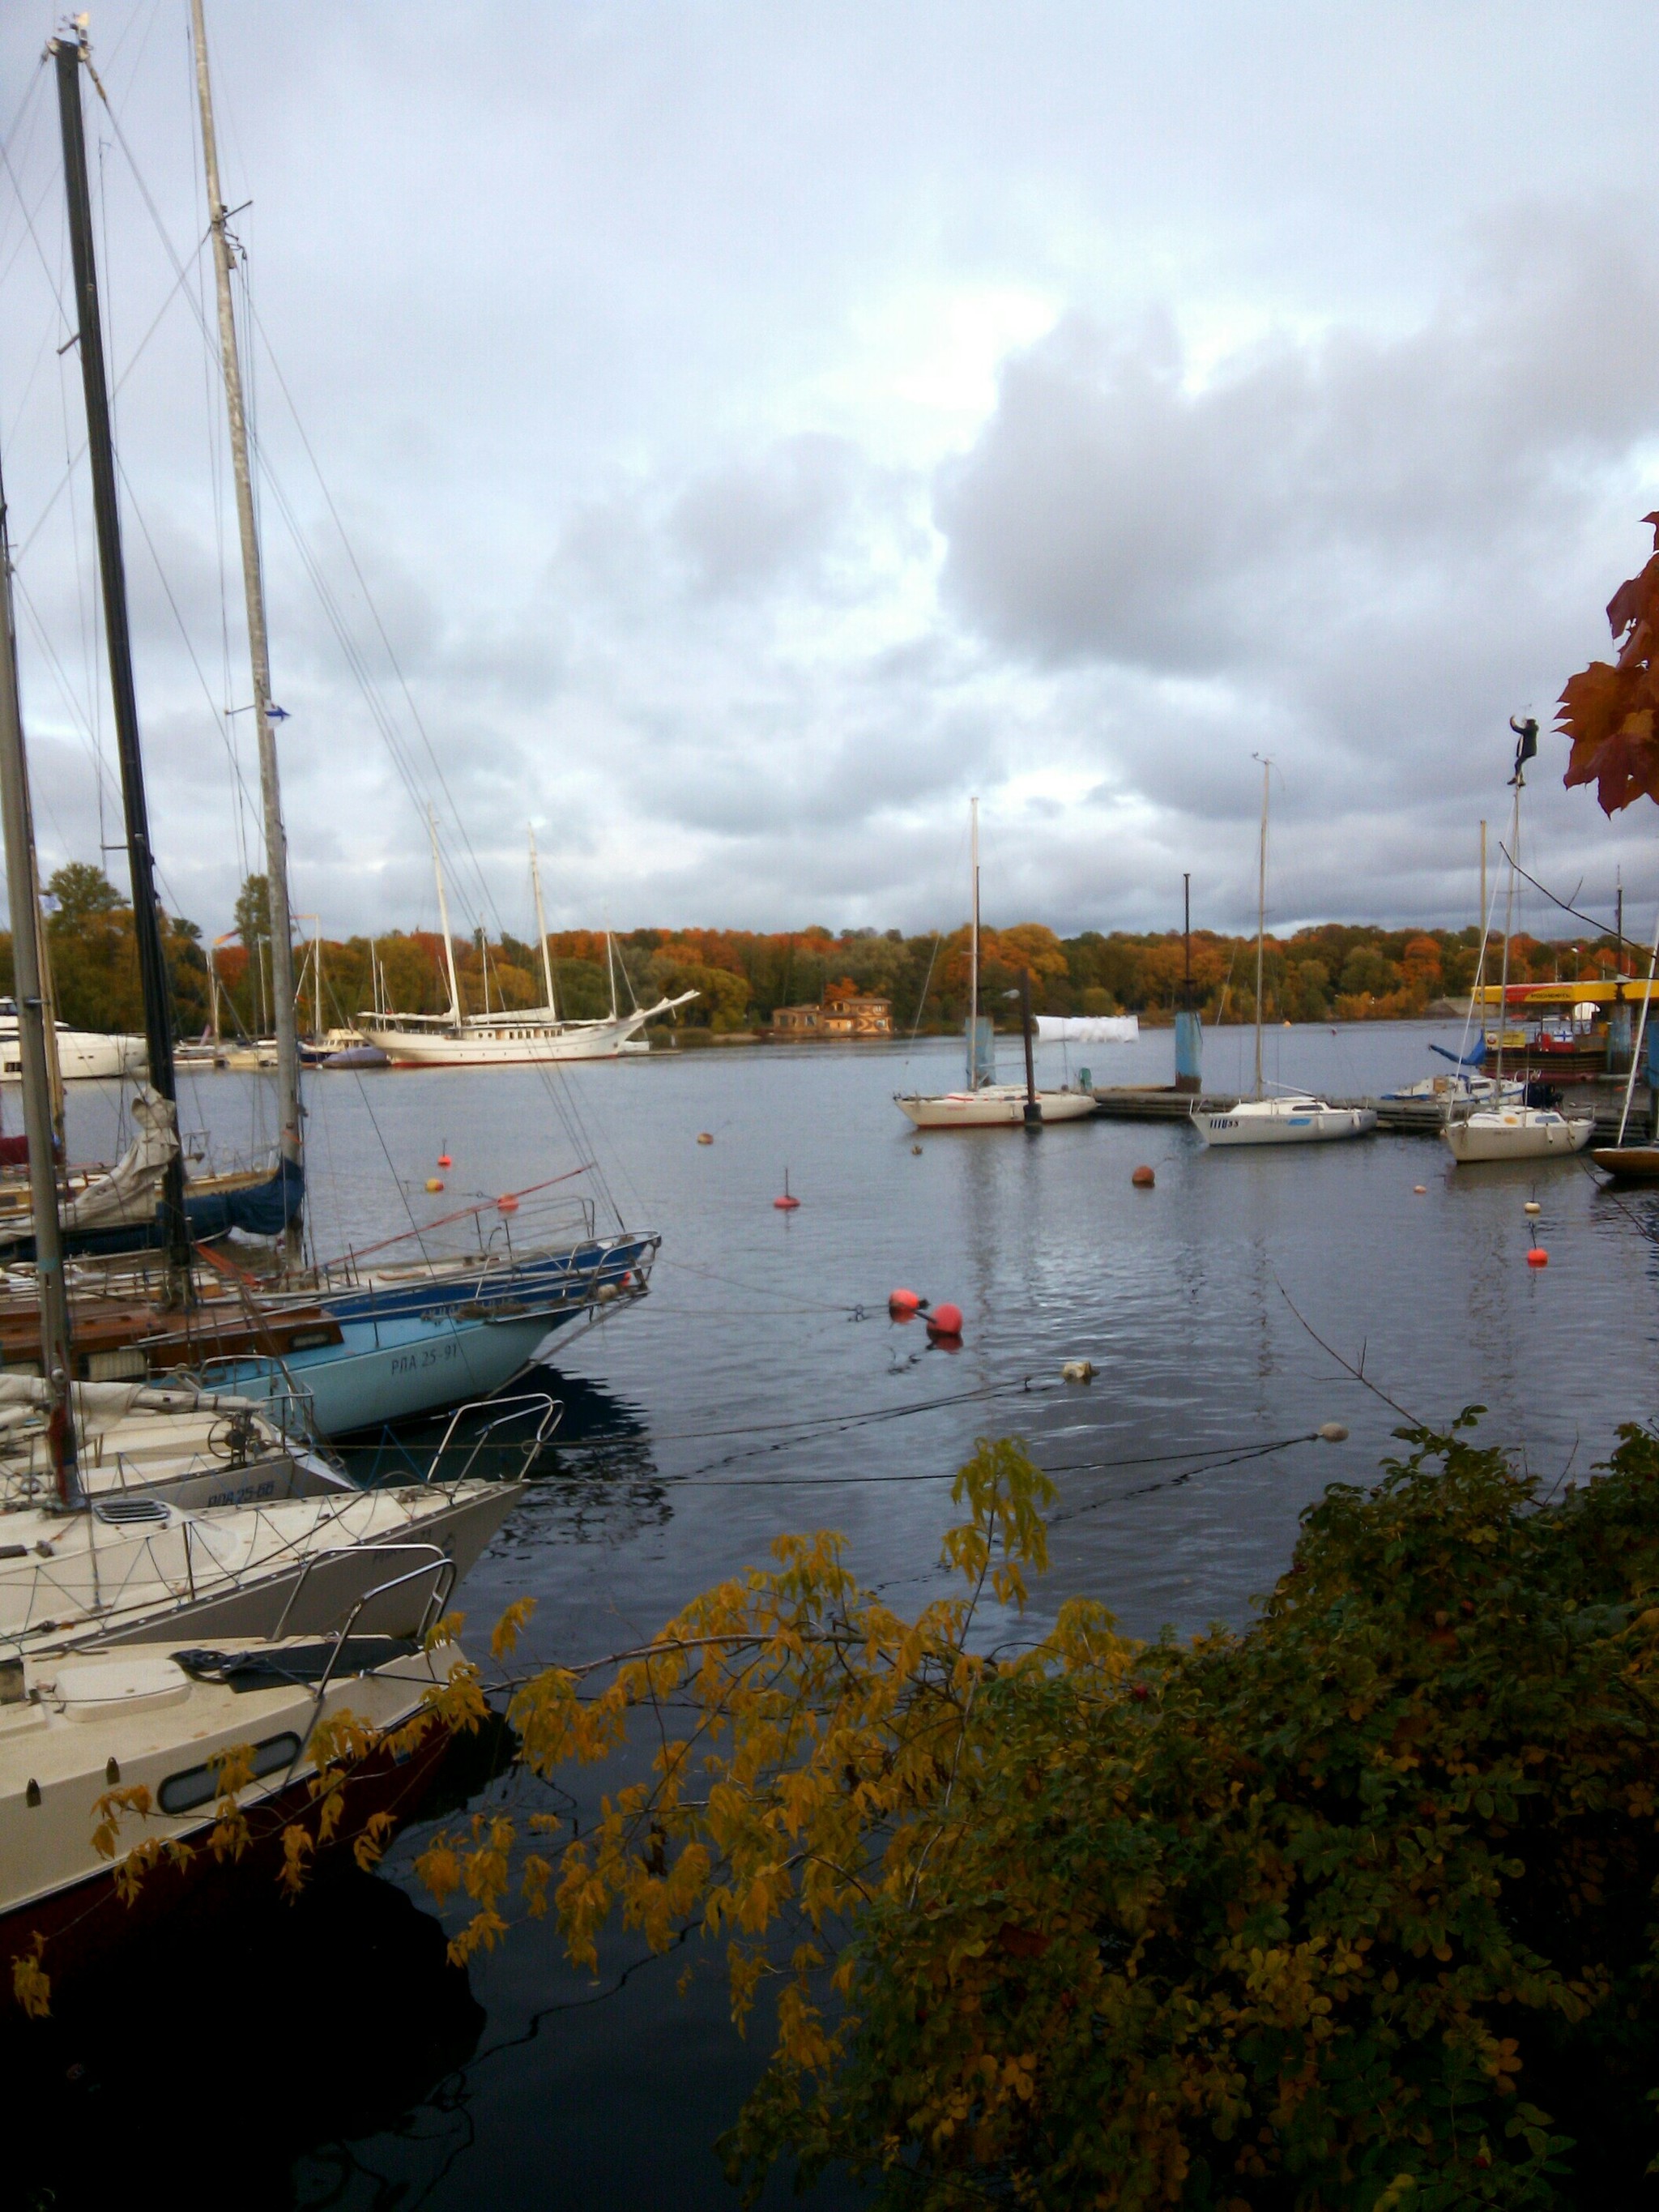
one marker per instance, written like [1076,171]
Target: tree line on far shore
[1333,971]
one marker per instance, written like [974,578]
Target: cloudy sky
[729,435]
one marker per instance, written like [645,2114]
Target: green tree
[252,916]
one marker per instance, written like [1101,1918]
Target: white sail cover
[132,1188]
[1088,1028]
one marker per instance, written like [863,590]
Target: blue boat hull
[415,1348]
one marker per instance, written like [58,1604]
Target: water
[762,1387]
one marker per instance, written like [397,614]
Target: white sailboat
[1508,1130]
[1290,1118]
[506,1037]
[985,1103]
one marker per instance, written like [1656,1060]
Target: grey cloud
[759,522]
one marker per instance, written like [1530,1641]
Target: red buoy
[507,1204]
[785,1204]
[1143,1179]
[904,1305]
[1538,1257]
[444,1160]
[945,1320]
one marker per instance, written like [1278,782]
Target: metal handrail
[552,1413]
[434,1552]
[443,1571]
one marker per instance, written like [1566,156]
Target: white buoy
[1078,1371]
[1333,1432]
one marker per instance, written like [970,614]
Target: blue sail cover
[1466,1060]
[265,1209]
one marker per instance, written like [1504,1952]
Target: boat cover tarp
[264,1210]
[129,1193]
[1088,1028]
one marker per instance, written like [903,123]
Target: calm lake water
[762,1387]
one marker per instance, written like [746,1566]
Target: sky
[727,437]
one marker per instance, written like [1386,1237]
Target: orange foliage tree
[1608,709]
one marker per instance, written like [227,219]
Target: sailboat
[507,1038]
[126,1511]
[1288,1117]
[985,1103]
[1506,1130]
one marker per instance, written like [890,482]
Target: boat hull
[1284,1121]
[1000,1106]
[392,1368]
[1526,1135]
[1628,1163]
[84,1056]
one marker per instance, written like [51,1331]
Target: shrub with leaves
[1355,1909]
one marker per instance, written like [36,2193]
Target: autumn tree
[1607,710]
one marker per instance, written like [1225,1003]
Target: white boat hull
[511,1040]
[1284,1121]
[998,1106]
[84,1055]
[1526,1134]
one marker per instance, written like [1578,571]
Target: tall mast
[443,921]
[973,949]
[146,920]
[1261,920]
[541,926]
[253,588]
[57,1356]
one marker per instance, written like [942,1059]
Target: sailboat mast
[1261,919]
[146,919]
[541,926]
[57,1354]
[443,921]
[1508,923]
[253,589]
[973,949]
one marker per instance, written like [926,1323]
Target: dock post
[1189,1027]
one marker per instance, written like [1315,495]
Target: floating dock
[1400,1117]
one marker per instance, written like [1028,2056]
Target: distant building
[844,1011]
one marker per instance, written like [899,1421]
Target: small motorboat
[1297,1119]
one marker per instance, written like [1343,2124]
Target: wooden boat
[1628,1163]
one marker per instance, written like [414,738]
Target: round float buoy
[1532,1206]
[916,1149]
[1333,1432]
[785,1204]
[1143,1178]
[945,1320]
[507,1204]
[1538,1257]
[902,1304]
[1078,1371]
[705,1136]
[1419,1190]
[434,1182]
[444,1160]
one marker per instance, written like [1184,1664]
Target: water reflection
[250,2034]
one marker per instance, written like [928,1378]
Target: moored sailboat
[983,1102]
[1503,1130]
[1288,1118]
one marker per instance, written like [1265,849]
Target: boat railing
[442,1571]
[432,1558]
[507,1411]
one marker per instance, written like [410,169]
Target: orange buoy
[434,1182]
[1419,1190]
[1538,1257]
[705,1136]
[444,1160]
[945,1320]
[904,1305]
[506,1205]
[785,1204]
[1143,1178]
